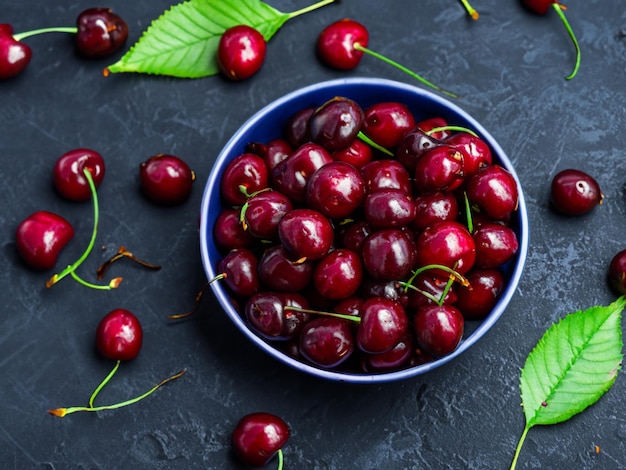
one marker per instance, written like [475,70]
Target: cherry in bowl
[271,123]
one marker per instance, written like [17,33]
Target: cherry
[278,272]
[476,300]
[100,32]
[274,152]
[306,234]
[119,336]
[434,207]
[414,144]
[541,7]
[617,272]
[239,270]
[166,179]
[493,191]
[436,127]
[69,173]
[386,123]
[258,437]
[393,359]
[327,341]
[14,55]
[262,212]
[297,127]
[353,235]
[428,289]
[342,44]
[383,324]
[386,174]
[388,254]
[476,152]
[241,52]
[438,328]
[336,123]
[246,174]
[41,237]
[228,232]
[389,208]
[268,315]
[574,192]
[339,274]
[495,245]
[446,243]
[357,154]
[439,169]
[336,190]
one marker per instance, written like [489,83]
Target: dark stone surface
[509,68]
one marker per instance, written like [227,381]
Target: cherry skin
[439,169]
[257,438]
[434,207]
[495,245]
[476,152]
[268,317]
[574,192]
[274,152]
[415,143]
[14,55]
[617,273]
[478,299]
[383,324]
[166,179]
[297,127]
[246,174]
[327,341]
[335,44]
[241,52]
[306,233]
[41,237]
[386,123]
[119,335]
[278,272]
[438,328]
[339,274]
[388,254]
[228,232]
[386,174]
[262,212]
[492,190]
[389,208]
[69,177]
[336,123]
[446,243]
[357,154]
[100,33]
[336,190]
[540,7]
[239,270]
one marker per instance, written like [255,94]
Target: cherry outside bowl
[269,122]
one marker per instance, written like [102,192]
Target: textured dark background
[509,67]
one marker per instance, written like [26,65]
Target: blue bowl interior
[269,123]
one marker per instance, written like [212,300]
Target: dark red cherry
[617,273]
[383,324]
[69,177]
[434,207]
[240,271]
[540,7]
[430,124]
[495,245]
[574,192]
[306,233]
[439,169]
[357,154]
[391,290]
[166,179]
[262,212]
[257,438]
[492,190]
[291,176]
[297,127]
[278,272]
[119,335]
[386,174]
[413,145]
[228,232]
[14,55]
[267,316]
[241,52]
[388,254]
[339,274]
[327,341]
[353,235]
[447,243]
[335,44]
[476,152]
[100,33]
[246,174]
[393,359]
[389,208]
[438,328]
[386,123]
[336,123]
[478,299]
[427,283]
[335,189]
[41,237]
[274,152]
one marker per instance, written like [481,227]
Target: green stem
[35,32]
[468,213]
[315,6]
[472,12]
[519,447]
[328,314]
[365,50]
[559,12]
[103,383]
[112,285]
[280,459]
[370,142]
[61,412]
[451,128]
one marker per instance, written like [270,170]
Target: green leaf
[183,41]
[572,366]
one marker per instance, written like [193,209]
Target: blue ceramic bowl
[269,122]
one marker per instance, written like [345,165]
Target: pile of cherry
[362,240]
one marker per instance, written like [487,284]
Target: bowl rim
[222,295]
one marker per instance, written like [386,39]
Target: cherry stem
[342,316]
[122,252]
[365,50]
[370,142]
[426,267]
[468,213]
[451,128]
[35,32]
[559,11]
[472,12]
[103,383]
[70,270]
[61,412]
[280,459]
[304,10]
[199,295]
